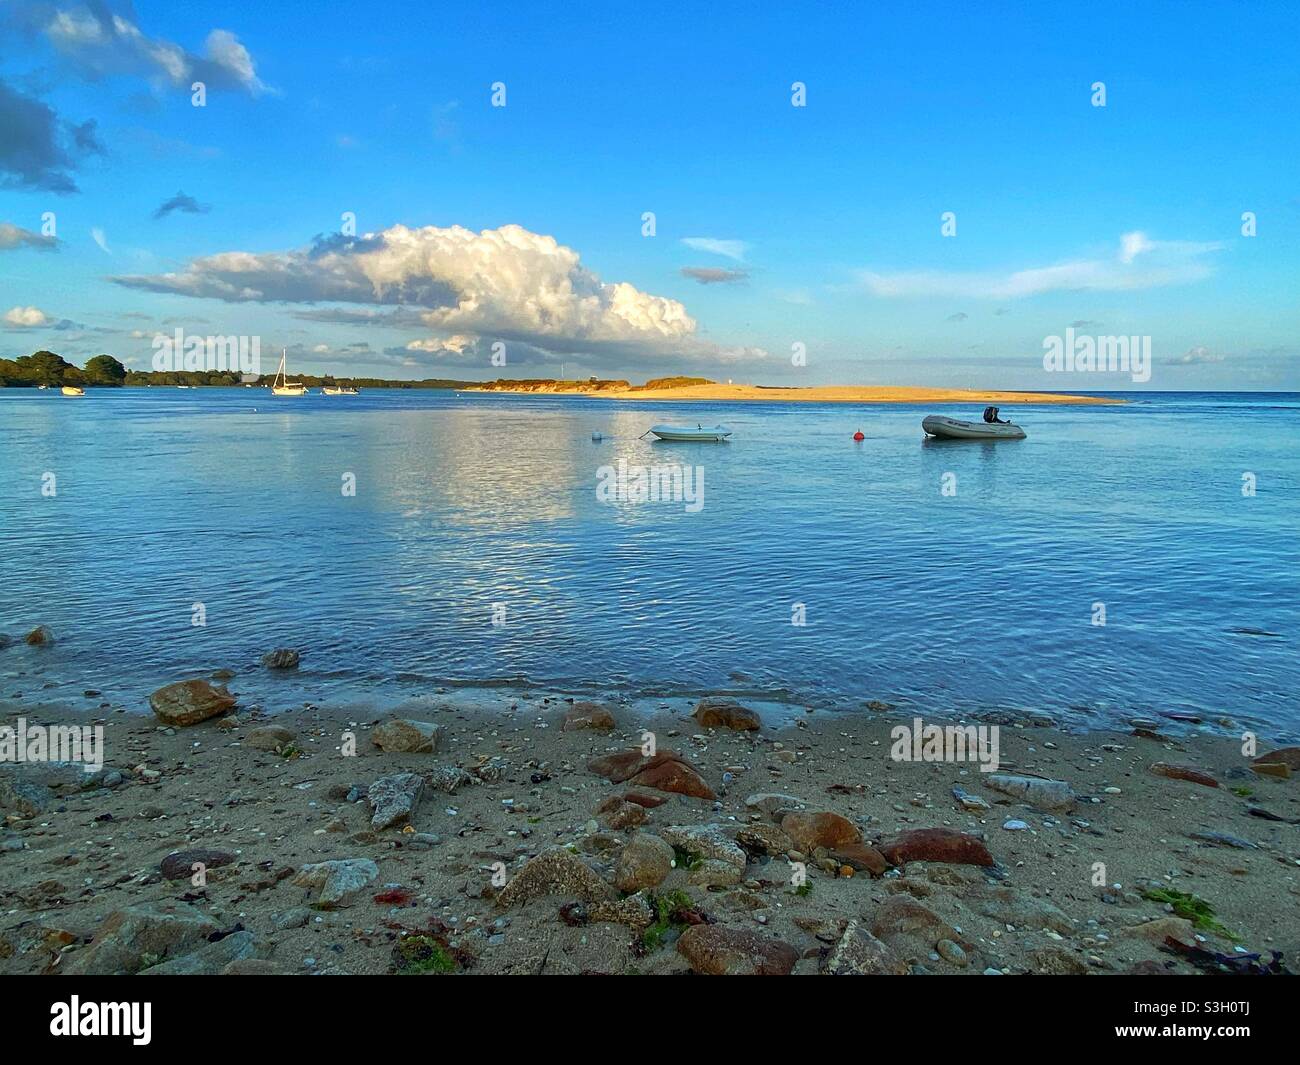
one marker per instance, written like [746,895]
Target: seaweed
[415,955]
[671,910]
[1190,907]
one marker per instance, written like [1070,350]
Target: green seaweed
[424,954]
[1243,792]
[684,859]
[1192,908]
[664,907]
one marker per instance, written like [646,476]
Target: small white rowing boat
[952,429]
[712,433]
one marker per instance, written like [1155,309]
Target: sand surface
[826,394]
[65,869]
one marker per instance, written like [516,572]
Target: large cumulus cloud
[505,284]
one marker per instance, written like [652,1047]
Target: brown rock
[555,872]
[648,801]
[1158,930]
[132,937]
[619,814]
[644,863]
[726,713]
[1183,772]
[1055,960]
[902,915]
[1280,770]
[861,857]
[716,951]
[41,636]
[936,845]
[402,736]
[676,777]
[1287,756]
[190,701]
[764,839]
[180,865]
[269,738]
[588,716]
[624,765]
[820,829]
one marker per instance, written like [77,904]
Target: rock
[253,967]
[774,805]
[1008,906]
[616,768]
[859,953]
[716,951]
[41,636]
[24,795]
[1287,756]
[726,713]
[394,798]
[130,938]
[1015,826]
[179,865]
[211,959]
[447,778]
[952,953]
[281,658]
[588,716]
[642,799]
[644,863]
[1183,772]
[902,915]
[270,738]
[1037,791]
[1222,839]
[936,845]
[861,857]
[403,736]
[634,911]
[619,815]
[676,777]
[297,917]
[1280,770]
[820,829]
[705,841]
[1162,927]
[1055,960]
[190,701]
[339,881]
[555,872]
[764,839]
[970,802]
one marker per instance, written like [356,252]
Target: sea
[1134,560]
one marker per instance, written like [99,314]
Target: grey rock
[394,798]
[339,881]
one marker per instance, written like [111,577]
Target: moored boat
[953,429]
[72,390]
[339,390]
[697,433]
[284,387]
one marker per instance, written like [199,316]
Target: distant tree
[105,370]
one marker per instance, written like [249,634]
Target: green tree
[105,370]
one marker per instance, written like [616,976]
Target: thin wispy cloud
[710,275]
[100,238]
[1197,356]
[730,249]
[12,236]
[1140,263]
[181,202]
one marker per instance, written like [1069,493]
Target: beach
[491,839]
[713,392]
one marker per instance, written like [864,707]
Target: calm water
[228,498]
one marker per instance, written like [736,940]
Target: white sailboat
[283,387]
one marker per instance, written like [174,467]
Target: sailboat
[282,387]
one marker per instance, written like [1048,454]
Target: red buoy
[858,435]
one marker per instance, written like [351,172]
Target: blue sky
[775,225]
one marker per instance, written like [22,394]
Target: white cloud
[100,43]
[505,284]
[99,237]
[12,236]
[25,317]
[731,249]
[1197,356]
[1140,263]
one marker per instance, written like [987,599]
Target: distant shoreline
[813,394]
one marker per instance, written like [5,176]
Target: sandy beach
[715,392]
[530,835]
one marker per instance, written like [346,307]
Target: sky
[920,194]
